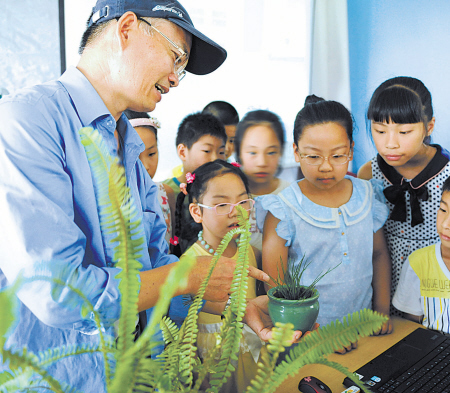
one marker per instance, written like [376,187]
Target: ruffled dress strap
[278,206]
[380,211]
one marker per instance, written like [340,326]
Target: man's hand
[218,288]
[257,318]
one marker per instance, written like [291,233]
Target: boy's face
[443,220]
[229,147]
[208,148]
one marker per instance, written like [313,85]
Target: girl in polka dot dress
[412,169]
[330,218]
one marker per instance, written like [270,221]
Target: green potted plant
[127,363]
[292,302]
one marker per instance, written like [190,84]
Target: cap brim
[205,56]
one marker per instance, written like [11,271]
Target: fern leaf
[8,305]
[28,362]
[118,216]
[175,280]
[346,372]
[324,341]
[232,330]
[282,333]
[170,330]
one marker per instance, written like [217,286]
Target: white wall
[29,43]
[392,38]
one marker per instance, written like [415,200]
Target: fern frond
[324,341]
[8,305]
[169,329]
[118,216]
[129,248]
[231,332]
[29,363]
[106,343]
[52,355]
[281,336]
[177,278]
[339,367]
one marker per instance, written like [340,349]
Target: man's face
[149,64]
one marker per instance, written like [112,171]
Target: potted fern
[292,302]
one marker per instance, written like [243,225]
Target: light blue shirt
[48,212]
[329,236]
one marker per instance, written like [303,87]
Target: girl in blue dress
[330,218]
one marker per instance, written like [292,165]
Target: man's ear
[182,151]
[196,213]
[126,25]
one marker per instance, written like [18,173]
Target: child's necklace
[205,245]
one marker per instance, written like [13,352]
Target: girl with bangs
[412,170]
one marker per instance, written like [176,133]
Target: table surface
[368,348]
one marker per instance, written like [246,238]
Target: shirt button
[345,254]
[342,233]
[340,213]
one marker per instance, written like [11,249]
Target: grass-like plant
[290,287]
[128,365]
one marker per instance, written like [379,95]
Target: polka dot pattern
[401,237]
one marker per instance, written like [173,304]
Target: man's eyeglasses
[182,57]
[335,159]
[223,209]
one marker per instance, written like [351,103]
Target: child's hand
[387,328]
[350,348]
[258,319]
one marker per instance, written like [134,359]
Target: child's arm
[381,281]
[414,318]
[274,251]
[365,172]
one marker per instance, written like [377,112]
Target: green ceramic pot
[301,313]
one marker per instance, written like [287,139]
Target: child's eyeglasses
[182,57]
[335,159]
[223,209]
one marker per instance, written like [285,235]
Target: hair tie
[183,188]
[236,164]
[143,121]
[190,177]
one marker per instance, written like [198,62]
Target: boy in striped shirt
[423,292]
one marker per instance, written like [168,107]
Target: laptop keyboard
[430,374]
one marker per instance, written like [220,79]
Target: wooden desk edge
[368,348]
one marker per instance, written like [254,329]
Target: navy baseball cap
[205,56]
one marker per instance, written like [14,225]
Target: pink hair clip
[236,164]
[183,188]
[174,241]
[190,177]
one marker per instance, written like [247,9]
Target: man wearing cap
[132,53]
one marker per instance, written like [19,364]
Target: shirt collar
[79,88]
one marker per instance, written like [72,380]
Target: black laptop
[419,363]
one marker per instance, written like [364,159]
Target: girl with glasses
[214,190]
[330,218]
